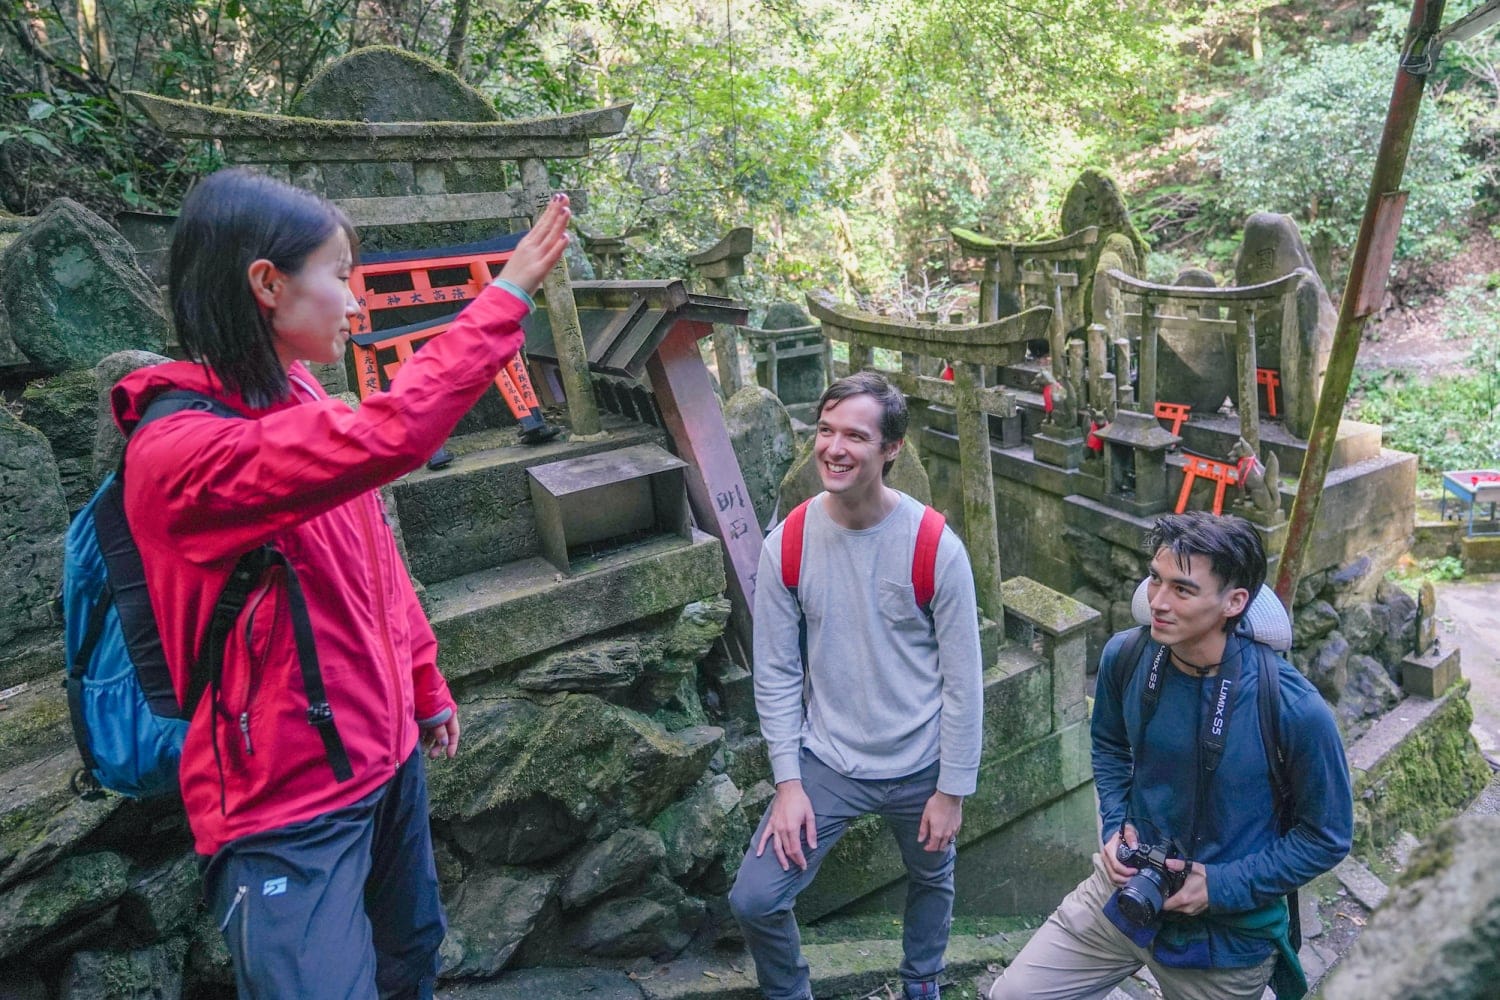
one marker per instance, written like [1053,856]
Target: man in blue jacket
[1180,759]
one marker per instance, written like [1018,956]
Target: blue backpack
[127,721]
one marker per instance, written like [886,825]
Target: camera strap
[1213,729]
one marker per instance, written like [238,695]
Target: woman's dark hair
[228,220]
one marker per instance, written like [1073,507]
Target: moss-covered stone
[489,915]
[162,900]
[760,430]
[704,828]
[74,293]
[386,84]
[153,973]
[500,617]
[535,776]
[41,818]
[1437,936]
[625,928]
[1095,200]
[620,861]
[36,725]
[382,83]
[109,443]
[1421,778]
[71,889]
[63,409]
[33,517]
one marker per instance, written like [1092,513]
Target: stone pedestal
[1007,432]
[1431,673]
[1059,446]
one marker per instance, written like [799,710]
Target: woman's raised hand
[540,248]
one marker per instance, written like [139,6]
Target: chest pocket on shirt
[899,611]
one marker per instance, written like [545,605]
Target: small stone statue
[1061,405]
[1258,482]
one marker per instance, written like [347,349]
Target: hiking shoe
[920,991]
[539,434]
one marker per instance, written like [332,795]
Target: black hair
[893,415]
[1233,549]
[229,220]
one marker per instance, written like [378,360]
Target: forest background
[851,134]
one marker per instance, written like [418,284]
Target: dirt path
[1469,616]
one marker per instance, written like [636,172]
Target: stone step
[840,969]
[503,614]
[477,513]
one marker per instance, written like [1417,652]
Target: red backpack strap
[791,546]
[923,560]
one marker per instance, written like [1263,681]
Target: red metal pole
[1373,250]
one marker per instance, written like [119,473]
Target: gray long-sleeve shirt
[890,691]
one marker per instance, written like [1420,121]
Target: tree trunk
[458,35]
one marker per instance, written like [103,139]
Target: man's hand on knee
[791,815]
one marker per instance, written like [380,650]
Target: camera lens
[1141,897]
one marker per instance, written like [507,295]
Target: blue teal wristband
[517,291]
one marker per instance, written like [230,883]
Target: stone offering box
[607,500]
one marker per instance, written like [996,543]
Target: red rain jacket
[201,490]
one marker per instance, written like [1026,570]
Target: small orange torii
[1270,378]
[1222,473]
[1175,412]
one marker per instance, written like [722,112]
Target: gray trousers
[763,894]
[1079,955]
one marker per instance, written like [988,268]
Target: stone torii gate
[969,348]
[300,145]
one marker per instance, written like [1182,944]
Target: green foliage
[850,136]
[1446,568]
[1449,422]
[1307,148]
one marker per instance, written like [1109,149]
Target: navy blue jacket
[1247,863]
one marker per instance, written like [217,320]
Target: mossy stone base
[495,617]
[538,776]
[73,888]
[1415,768]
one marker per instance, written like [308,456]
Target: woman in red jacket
[314,833]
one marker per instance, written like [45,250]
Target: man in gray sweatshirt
[885,715]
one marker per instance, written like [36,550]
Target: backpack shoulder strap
[1124,667]
[1268,697]
[791,546]
[1283,801]
[1130,655]
[924,558]
[177,400]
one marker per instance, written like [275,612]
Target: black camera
[1140,899]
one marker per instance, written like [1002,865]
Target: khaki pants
[1079,955]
